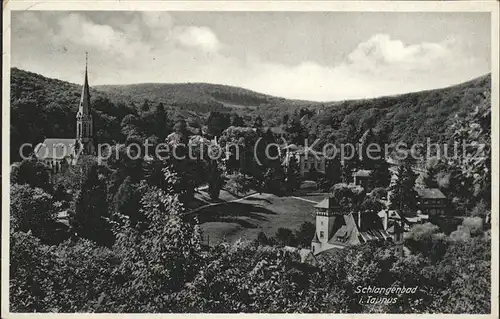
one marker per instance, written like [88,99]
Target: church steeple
[85,98]
[84,125]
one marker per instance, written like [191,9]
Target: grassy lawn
[246,218]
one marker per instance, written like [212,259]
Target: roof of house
[373,234]
[328,202]
[56,148]
[363,173]
[301,150]
[432,193]
[345,232]
[395,228]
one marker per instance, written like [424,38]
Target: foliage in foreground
[163,268]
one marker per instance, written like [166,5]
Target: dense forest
[130,245]
[48,107]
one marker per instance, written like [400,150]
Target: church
[59,153]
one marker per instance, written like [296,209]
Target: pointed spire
[84,107]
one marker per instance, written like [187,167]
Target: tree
[31,270]
[292,174]
[403,195]
[347,169]
[295,131]
[127,201]
[31,172]
[304,234]
[333,173]
[381,176]
[91,208]
[239,184]
[145,107]
[379,193]
[266,279]
[262,239]
[160,260]
[217,122]
[215,179]
[367,159]
[237,120]
[284,237]
[31,210]
[161,123]
[430,179]
[131,126]
[179,183]
[257,122]
[273,180]
[427,240]
[349,197]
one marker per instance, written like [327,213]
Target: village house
[309,162]
[431,201]
[337,229]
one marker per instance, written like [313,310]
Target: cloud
[153,47]
[378,66]
[76,29]
[157,19]
[199,37]
[380,51]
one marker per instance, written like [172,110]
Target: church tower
[84,125]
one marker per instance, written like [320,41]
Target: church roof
[56,148]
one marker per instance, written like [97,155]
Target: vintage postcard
[256,157]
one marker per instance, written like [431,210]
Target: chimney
[359,219]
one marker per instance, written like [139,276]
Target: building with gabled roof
[338,229]
[58,153]
[431,201]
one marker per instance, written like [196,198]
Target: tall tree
[292,174]
[333,170]
[430,179]
[403,195]
[91,208]
[127,201]
[161,121]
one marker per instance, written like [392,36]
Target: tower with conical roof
[84,124]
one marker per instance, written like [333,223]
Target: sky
[319,56]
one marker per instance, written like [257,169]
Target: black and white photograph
[250,160]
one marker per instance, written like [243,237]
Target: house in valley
[338,229]
[310,162]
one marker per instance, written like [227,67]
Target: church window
[321,234]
